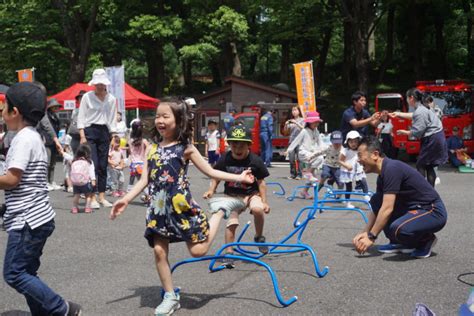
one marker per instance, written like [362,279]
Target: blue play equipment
[282,191]
[281,247]
[331,197]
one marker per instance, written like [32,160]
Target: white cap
[99,76]
[352,135]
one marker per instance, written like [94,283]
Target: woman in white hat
[97,123]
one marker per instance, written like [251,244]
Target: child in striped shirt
[29,217]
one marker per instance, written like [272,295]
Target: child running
[82,177]
[172,214]
[351,169]
[331,166]
[29,217]
[137,147]
[310,149]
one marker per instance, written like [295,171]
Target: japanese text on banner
[305,86]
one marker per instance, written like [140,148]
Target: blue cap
[336,137]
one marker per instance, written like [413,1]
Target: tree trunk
[470,36]
[77,35]
[156,69]
[415,37]
[321,63]
[362,20]
[187,72]
[389,48]
[441,69]
[237,68]
[347,60]
[285,62]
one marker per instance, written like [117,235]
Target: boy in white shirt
[29,215]
[212,142]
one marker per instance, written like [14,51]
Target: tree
[78,20]
[154,31]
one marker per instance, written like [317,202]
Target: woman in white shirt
[97,122]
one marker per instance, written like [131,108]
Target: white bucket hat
[99,76]
[352,135]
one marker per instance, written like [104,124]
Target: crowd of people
[97,148]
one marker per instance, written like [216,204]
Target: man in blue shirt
[229,119]
[357,117]
[266,135]
[406,207]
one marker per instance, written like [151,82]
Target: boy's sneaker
[261,239]
[116,194]
[73,309]
[169,305]
[121,193]
[349,205]
[88,210]
[394,248]
[74,210]
[425,251]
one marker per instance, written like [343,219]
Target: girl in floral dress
[172,214]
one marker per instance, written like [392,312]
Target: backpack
[80,172]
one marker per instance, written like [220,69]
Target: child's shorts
[82,189]
[236,204]
[213,156]
[136,169]
[331,173]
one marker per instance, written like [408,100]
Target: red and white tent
[134,99]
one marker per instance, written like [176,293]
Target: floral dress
[172,212]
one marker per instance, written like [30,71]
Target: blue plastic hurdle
[282,191]
[252,256]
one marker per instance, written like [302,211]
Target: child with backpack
[82,177]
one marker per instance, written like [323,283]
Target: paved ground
[108,268]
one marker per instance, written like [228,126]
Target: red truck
[453,97]
[250,116]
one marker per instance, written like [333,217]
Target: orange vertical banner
[305,86]
[25,75]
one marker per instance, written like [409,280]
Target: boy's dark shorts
[213,156]
[331,173]
[83,189]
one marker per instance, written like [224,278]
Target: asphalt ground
[108,268]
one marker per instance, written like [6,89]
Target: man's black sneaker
[73,309]
[261,239]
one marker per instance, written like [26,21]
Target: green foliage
[159,28]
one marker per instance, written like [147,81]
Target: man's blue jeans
[22,260]
[266,148]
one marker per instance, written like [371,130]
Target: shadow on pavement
[15,313]
[372,252]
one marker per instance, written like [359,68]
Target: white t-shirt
[385,127]
[28,202]
[121,129]
[212,139]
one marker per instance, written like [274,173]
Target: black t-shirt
[411,188]
[350,114]
[228,164]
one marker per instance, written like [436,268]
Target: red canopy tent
[134,99]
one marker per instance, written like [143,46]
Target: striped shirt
[28,202]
